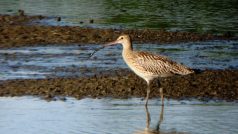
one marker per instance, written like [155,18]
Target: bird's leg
[160,119]
[146,108]
[147,118]
[147,94]
[161,96]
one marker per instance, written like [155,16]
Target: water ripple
[72,61]
[115,116]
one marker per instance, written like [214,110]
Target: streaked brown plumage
[149,66]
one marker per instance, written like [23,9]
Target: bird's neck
[127,51]
[127,47]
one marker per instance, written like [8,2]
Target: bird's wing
[157,64]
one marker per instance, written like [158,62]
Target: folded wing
[158,65]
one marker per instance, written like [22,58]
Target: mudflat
[18,31]
[215,84]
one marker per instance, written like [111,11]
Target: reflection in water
[115,116]
[156,130]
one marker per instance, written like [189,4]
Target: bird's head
[123,39]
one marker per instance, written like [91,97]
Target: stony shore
[15,31]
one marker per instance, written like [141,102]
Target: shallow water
[72,60]
[114,116]
[215,16]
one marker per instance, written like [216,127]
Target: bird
[147,65]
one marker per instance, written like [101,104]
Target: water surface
[30,115]
[214,16]
[74,61]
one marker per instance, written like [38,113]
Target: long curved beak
[111,43]
[105,45]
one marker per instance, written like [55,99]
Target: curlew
[148,66]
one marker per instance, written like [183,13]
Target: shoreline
[18,31]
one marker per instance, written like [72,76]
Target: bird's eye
[122,38]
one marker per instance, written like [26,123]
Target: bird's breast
[130,60]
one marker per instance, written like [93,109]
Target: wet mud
[209,84]
[19,30]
